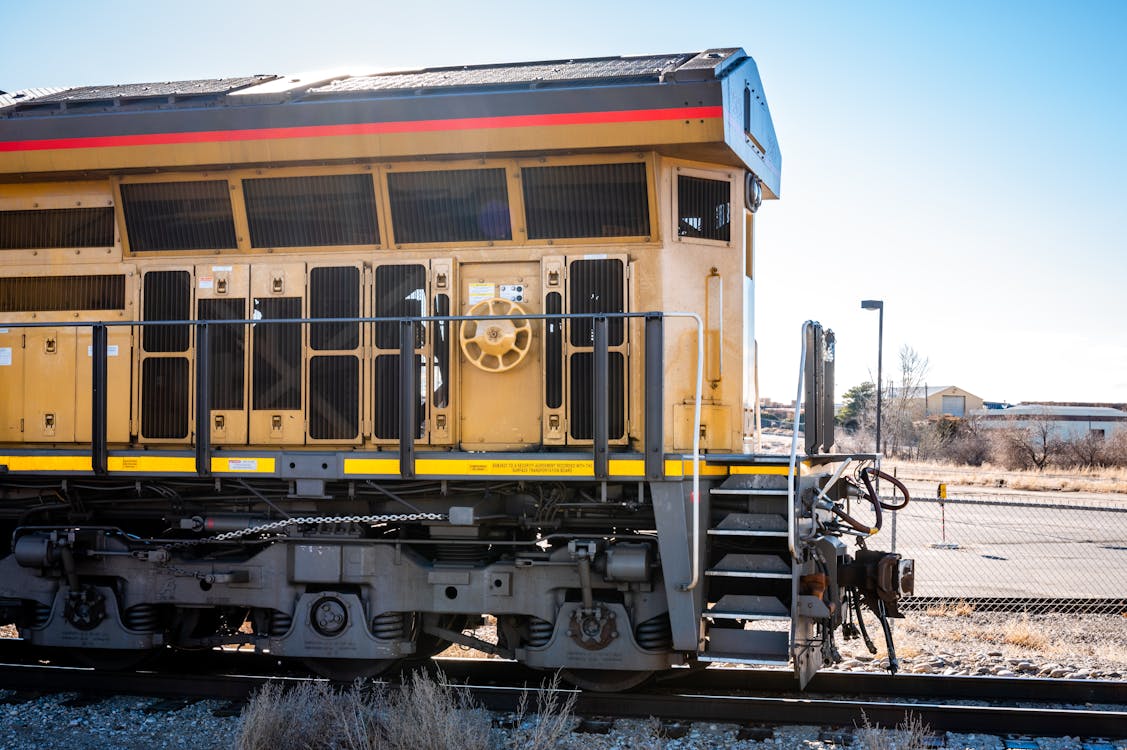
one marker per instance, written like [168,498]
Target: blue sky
[963,161]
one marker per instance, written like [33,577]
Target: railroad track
[749,697]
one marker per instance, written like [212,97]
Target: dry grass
[423,713]
[911,734]
[960,609]
[1096,479]
[1022,634]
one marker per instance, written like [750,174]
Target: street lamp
[876,304]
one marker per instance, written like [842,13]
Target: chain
[307,521]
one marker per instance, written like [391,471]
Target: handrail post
[408,398]
[99,341]
[203,405]
[600,425]
[654,397]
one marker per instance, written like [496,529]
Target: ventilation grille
[553,351]
[226,352]
[167,296]
[56,227]
[334,397]
[164,398]
[469,205]
[400,293]
[704,208]
[388,401]
[596,286]
[581,396]
[440,330]
[277,354]
[334,293]
[311,211]
[178,216]
[52,293]
[596,200]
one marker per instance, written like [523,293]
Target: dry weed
[911,734]
[961,609]
[308,717]
[552,721]
[1021,633]
[426,713]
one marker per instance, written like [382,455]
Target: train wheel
[606,680]
[347,670]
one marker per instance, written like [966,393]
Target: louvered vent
[226,352]
[334,293]
[53,293]
[178,215]
[311,211]
[581,396]
[465,205]
[388,400]
[167,296]
[164,397]
[553,351]
[591,200]
[56,227]
[596,286]
[704,208]
[400,292]
[334,397]
[276,383]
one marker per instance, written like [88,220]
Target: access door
[277,385]
[223,294]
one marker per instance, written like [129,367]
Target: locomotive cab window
[704,208]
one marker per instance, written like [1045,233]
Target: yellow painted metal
[147,464]
[46,463]
[242,465]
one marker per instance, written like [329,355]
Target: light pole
[876,304]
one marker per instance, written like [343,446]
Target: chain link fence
[1033,552]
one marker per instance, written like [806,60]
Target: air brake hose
[870,494]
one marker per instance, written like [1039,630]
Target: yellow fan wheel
[496,345]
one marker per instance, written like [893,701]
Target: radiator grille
[440,331]
[704,208]
[167,296]
[596,286]
[226,352]
[466,205]
[388,401]
[178,215]
[164,397]
[277,355]
[334,397]
[400,293]
[52,293]
[581,396]
[56,227]
[591,200]
[553,351]
[334,293]
[311,211]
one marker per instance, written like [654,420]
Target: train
[341,368]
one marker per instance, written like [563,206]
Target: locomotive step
[748,607]
[736,565]
[748,492]
[767,647]
[751,524]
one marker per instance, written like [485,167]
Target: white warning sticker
[5,356]
[207,282]
[242,464]
[481,292]
[111,350]
[220,269]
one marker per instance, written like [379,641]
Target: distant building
[937,400]
[1068,422]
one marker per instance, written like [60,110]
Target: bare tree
[897,421]
[1031,443]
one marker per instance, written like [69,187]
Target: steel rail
[689,706]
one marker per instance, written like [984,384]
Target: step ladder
[749,621]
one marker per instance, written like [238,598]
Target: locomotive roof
[629,90]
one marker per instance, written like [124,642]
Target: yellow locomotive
[337,366]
